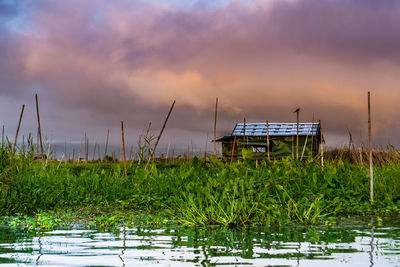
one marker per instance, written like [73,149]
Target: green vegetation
[199,192]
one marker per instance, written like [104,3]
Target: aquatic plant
[199,192]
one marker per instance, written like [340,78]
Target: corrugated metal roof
[275,129]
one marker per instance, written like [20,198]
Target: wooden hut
[281,136]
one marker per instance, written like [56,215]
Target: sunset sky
[94,63]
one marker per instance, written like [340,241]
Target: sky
[94,63]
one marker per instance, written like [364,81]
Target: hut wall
[280,146]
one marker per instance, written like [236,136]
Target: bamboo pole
[322,143]
[39,128]
[159,136]
[268,157]
[371,170]
[205,149]
[312,136]
[215,126]
[87,149]
[105,151]
[244,132]
[123,148]
[361,149]
[16,135]
[297,134]
[305,145]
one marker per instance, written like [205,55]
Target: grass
[196,192]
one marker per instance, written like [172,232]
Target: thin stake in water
[105,151]
[244,133]
[39,128]
[297,133]
[19,125]
[215,126]
[321,144]
[371,170]
[312,136]
[268,141]
[159,136]
[123,148]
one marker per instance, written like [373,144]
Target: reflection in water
[183,246]
[124,247]
[371,253]
[40,250]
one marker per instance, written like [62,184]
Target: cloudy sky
[94,63]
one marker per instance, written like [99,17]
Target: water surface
[348,245]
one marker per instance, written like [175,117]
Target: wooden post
[322,143]
[297,134]
[304,146]
[268,141]
[86,148]
[123,148]
[205,149]
[39,128]
[312,136]
[215,126]
[159,136]
[16,135]
[371,171]
[105,151]
[244,132]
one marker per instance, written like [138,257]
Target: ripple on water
[180,246]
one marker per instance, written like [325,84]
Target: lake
[360,243]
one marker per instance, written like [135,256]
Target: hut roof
[276,129]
